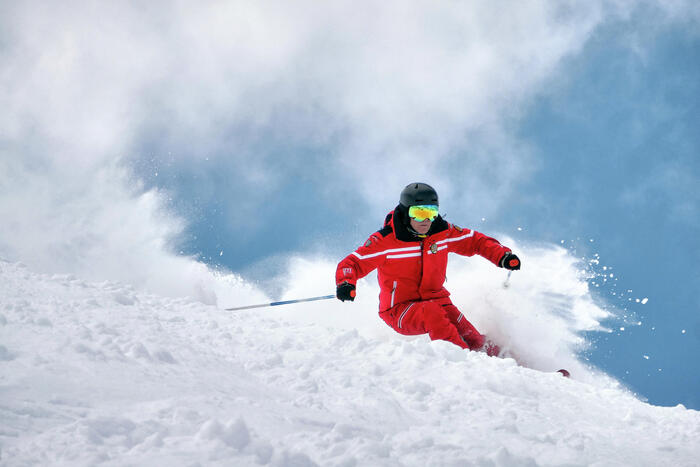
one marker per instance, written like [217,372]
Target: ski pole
[286,302]
[506,284]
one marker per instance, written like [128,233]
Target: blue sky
[624,159]
[265,132]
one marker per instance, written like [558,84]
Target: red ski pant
[439,318]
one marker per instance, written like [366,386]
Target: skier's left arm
[469,243]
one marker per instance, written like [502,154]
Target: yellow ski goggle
[421,213]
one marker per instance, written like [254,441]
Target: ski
[493,350]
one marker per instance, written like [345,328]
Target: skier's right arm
[357,265]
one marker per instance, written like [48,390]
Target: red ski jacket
[412,268]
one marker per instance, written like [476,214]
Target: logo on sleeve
[370,240]
[347,271]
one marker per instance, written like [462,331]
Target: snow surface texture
[98,373]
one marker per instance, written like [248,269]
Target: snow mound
[98,373]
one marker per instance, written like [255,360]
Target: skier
[410,253]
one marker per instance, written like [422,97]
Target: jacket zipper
[393,291]
[422,264]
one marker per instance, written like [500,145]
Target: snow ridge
[98,373]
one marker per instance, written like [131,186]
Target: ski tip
[564,372]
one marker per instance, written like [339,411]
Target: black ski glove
[510,261]
[345,291]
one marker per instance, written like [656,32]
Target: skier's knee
[439,327]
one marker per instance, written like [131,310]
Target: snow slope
[98,373]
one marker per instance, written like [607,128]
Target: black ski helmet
[417,194]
